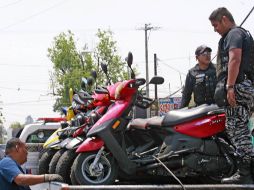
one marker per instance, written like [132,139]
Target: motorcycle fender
[74,143]
[53,143]
[53,139]
[90,144]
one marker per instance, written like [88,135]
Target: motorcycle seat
[141,123]
[175,117]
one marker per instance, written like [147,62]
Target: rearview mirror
[94,74]
[104,68]
[130,59]
[157,80]
[83,83]
[89,81]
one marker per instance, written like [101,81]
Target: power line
[168,59]
[25,102]
[10,4]
[171,67]
[16,65]
[29,81]
[177,58]
[22,89]
[33,15]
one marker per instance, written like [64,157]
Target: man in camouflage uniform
[233,56]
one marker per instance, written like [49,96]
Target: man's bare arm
[28,179]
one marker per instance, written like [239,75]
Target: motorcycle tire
[42,152]
[54,160]
[105,175]
[45,160]
[73,178]
[64,164]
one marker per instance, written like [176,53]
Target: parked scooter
[101,104]
[92,168]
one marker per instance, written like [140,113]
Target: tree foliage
[70,65]
[16,125]
[1,117]
[3,133]
[68,68]
[106,53]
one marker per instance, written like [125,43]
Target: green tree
[16,128]
[2,134]
[16,125]
[70,65]
[106,52]
[68,68]
[1,115]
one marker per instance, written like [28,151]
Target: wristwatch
[229,87]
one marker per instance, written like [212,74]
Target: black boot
[252,168]
[242,176]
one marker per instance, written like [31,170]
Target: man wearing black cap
[201,79]
[12,176]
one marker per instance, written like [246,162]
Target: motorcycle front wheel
[63,167]
[104,172]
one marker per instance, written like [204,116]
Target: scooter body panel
[90,144]
[203,127]
[115,111]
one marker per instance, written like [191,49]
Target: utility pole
[146,57]
[155,86]
[155,74]
[147,27]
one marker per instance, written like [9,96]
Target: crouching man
[12,176]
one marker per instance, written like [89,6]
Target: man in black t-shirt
[232,59]
[201,79]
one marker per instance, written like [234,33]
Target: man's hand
[53,177]
[231,97]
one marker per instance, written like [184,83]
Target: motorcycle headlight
[119,88]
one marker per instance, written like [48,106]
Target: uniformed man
[201,79]
[234,61]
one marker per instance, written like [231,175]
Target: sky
[28,28]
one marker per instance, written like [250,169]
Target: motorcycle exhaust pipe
[172,164]
[170,155]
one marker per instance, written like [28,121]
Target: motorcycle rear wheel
[104,174]
[45,160]
[54,161]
